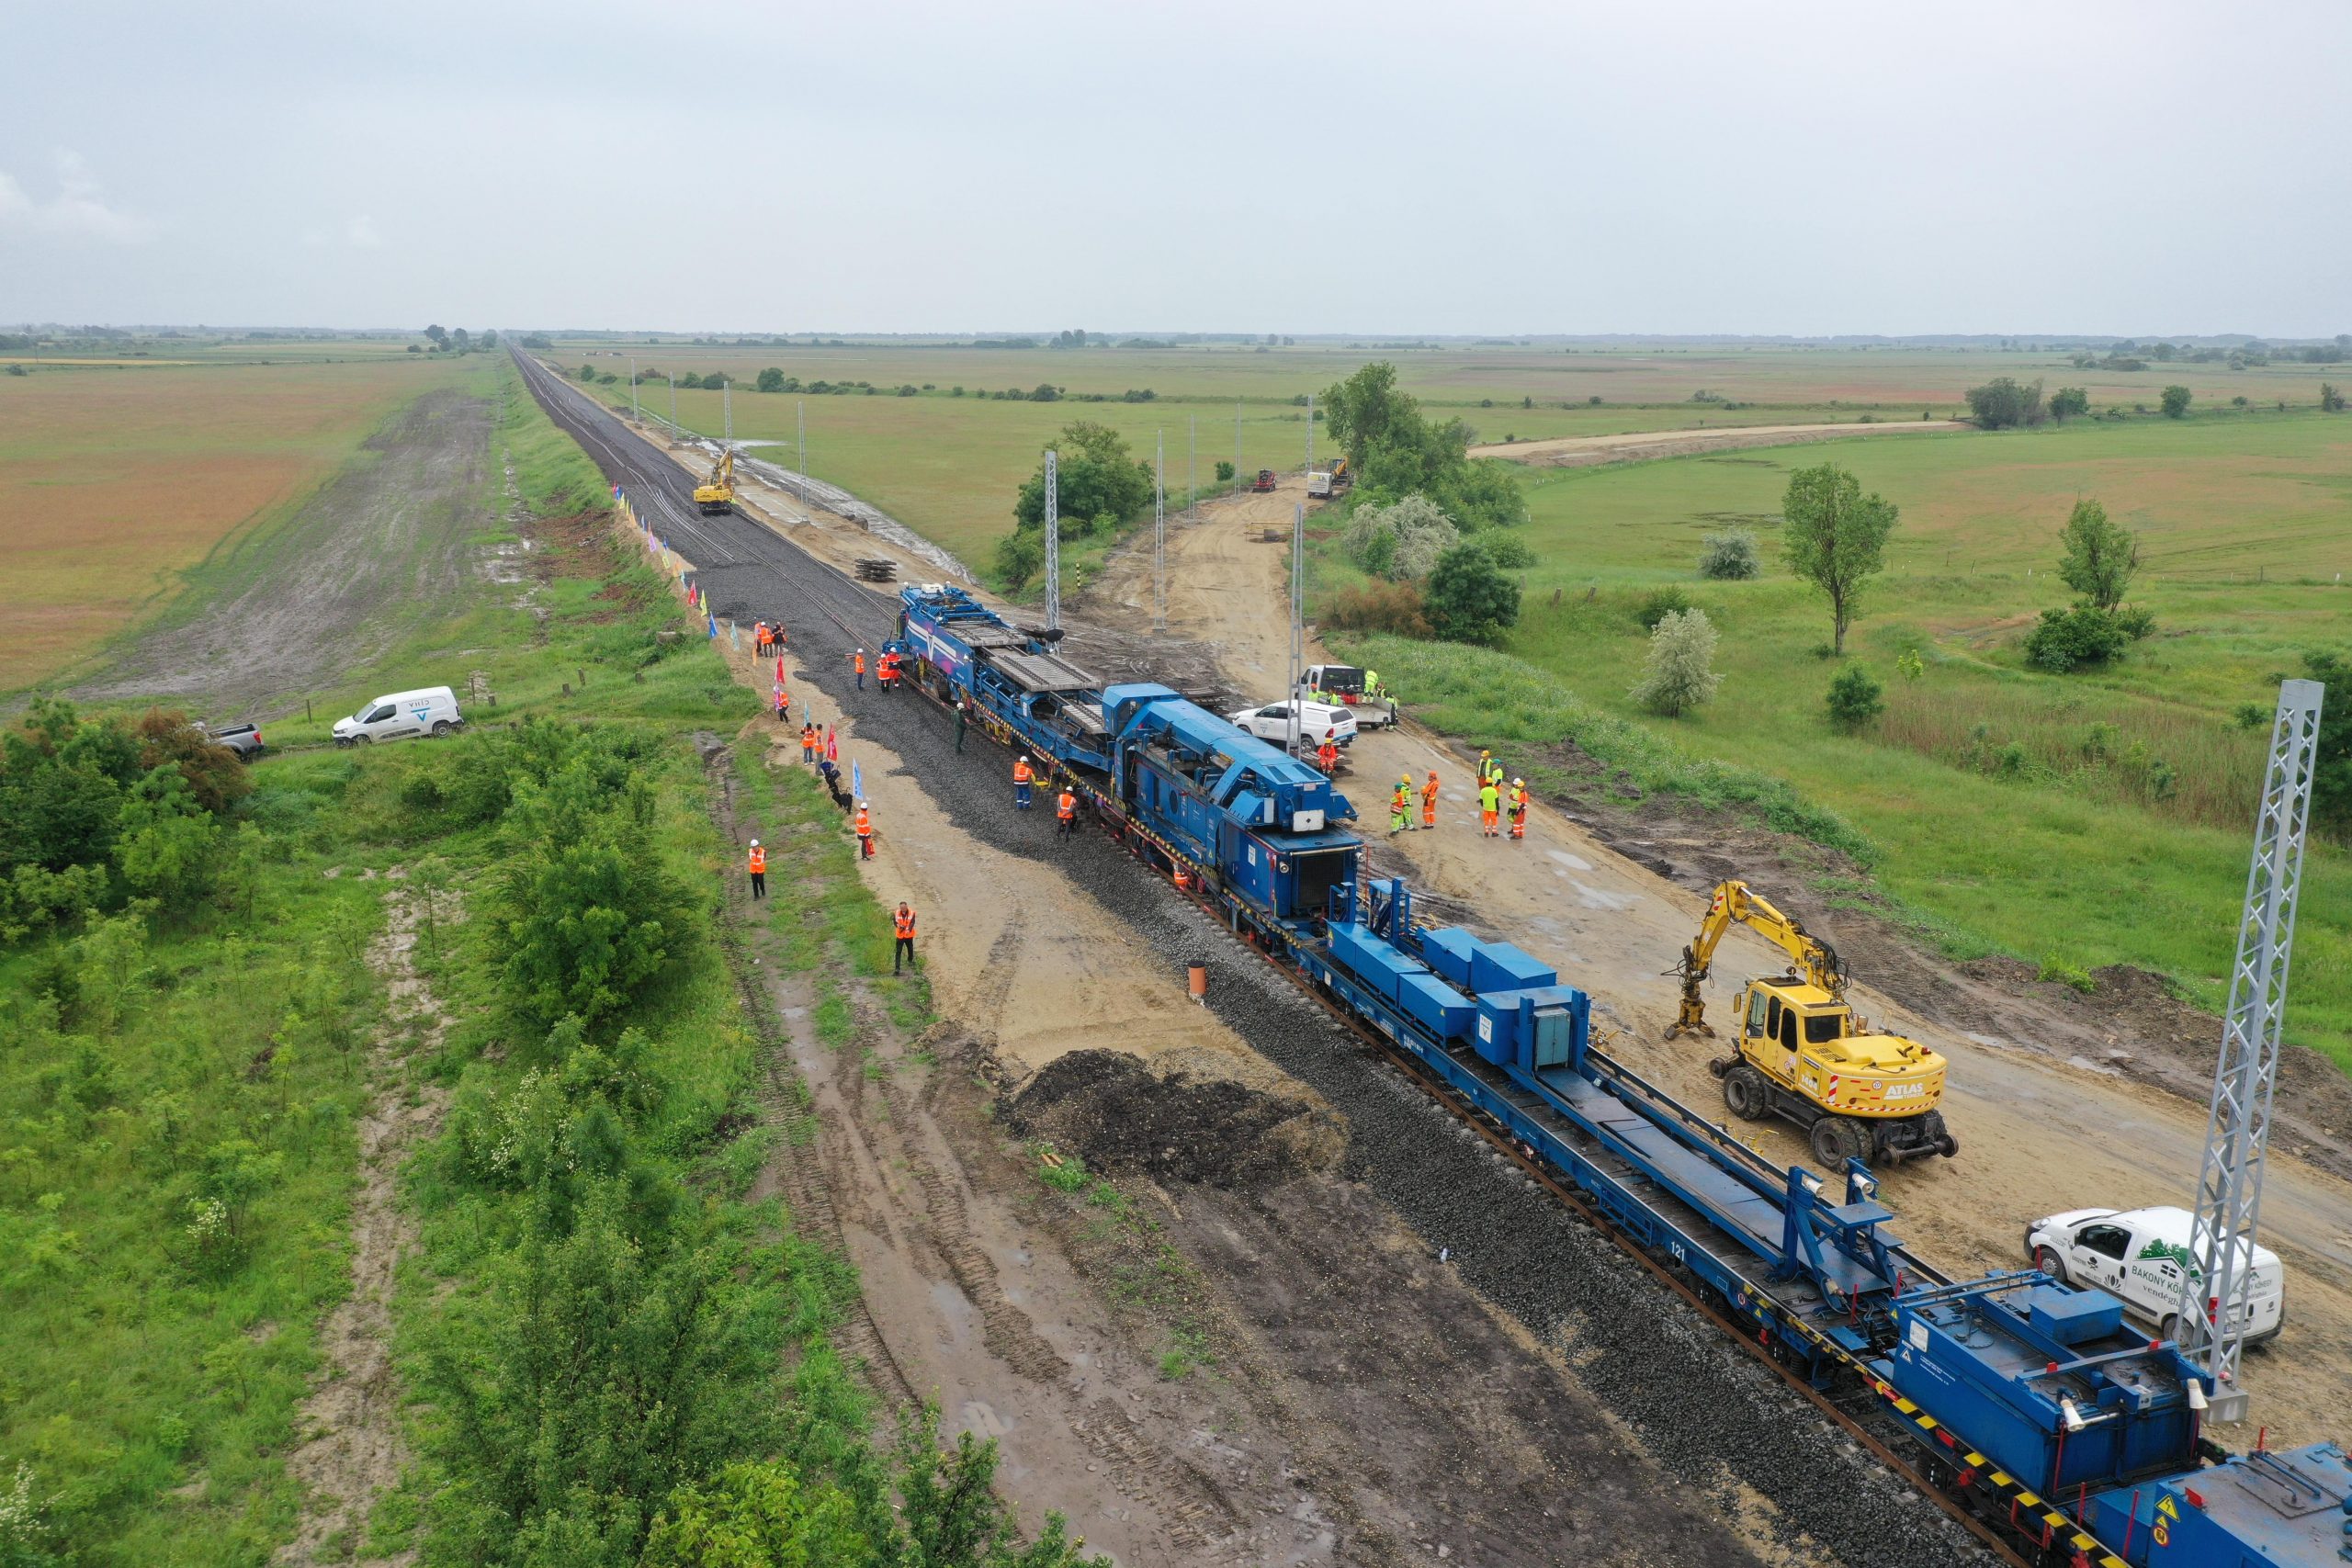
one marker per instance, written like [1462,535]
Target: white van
[2138,1256]
[431,711]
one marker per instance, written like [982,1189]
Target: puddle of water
[955,1311]
[1574,863]
[1594,899]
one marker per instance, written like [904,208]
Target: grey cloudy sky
[1223,164]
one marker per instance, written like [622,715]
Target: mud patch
[1119,1116]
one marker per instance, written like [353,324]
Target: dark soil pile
[1111,1111]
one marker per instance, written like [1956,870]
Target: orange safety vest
[1403,802]
[857,661]
[1519,798]
[1429,791]
[1329,755]
[807,738]
[759,858]
[1066,808]
[1021,774]
[904,919]
[864,823]
[760,636]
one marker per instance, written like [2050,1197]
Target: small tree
[1401,541]
[2332,769]
[771,381]
[1468,598]
[1835,537]
[2101,556]
[1854,699]
[2330,399]
[2066,403]
[2175,402]
[1679,674]
[2003,402]
[1224,469]
[1730,557]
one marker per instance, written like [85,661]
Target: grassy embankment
[123,485]
[152,1377]
[2076,821]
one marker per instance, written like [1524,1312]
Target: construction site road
[1589,451]
[2045,1118]
[1534,1397]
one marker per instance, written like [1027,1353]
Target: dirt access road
[2045,1120]
[383,548]
[1362,1402]
[1639,446]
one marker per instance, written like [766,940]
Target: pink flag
[779,670]
[832,745]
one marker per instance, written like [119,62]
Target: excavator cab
[1803,1055]
[716,495]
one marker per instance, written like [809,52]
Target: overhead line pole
[1160,535]
[1053,543]
[1193,466]
[1237,447]
[800,417]
[1310,433]
[633,418]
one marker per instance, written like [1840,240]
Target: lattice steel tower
[2213,1306]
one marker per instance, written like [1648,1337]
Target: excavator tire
[1836,1140]
[1746,1093]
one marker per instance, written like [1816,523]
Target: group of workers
[889,672]
[1024,779]
[1496,800]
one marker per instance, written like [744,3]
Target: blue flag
[856,780]
[714,628]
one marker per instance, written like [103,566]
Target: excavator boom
[1735,901]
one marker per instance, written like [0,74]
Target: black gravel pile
[1703,1409]
[1120,1116]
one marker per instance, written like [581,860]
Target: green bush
[1467,598]
[1507,549]
[1659,603]
[1679,674]
[1730,557]
[2072,639]
[2175,402]
[1223,471]
[1391,607]
[1855,699]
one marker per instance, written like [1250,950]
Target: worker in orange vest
[1429,801]
[902,920]
[760,636]
[1400,806]
[864,826]
[1519,808]
[808,742]
[857,664]
[759,868]
[1183,879]
[1327,756]
[783,704]
[1065,815]
[1022,775]
[889,669]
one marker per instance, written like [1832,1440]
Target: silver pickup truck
[244,740]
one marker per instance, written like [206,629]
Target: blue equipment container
[1500,967]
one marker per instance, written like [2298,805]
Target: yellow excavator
[1805,1056]
[716,494]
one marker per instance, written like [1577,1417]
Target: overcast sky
[1357,167]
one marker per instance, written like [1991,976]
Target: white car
[1344,684]
[432,710]
[1273,722]
[2139,1257]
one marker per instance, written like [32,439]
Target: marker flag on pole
[856,781]
[714,628]
[779,670]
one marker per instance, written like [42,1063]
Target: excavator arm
[1737,901]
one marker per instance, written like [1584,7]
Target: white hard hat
[755,843]
[861,805]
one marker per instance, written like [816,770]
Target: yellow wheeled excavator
[1804,1056]
[716,494]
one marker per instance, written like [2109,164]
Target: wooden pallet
[876,568]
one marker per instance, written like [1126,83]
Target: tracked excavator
[1802,1054]
[716,494]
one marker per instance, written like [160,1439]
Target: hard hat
[755,843]
[1432,773]
[1518,781]
[1025,756]
[861,806]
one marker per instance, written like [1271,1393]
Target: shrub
[1679,674]
[1854,699]
[1467,598]
[1401,541]
[2100,556]
[1391,607]
[1730,557]
[2003,403]
[2330,399]
[1658,605]
[2136,620]
[2069,640]
[2175,402]
[1224,469]
[770,380]
[1020,556]
[2068,401]
[1509,550]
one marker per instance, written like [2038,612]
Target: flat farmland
[2077,821]
[115,483]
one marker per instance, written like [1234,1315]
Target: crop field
[117,482]
[949,465]
[2077,821]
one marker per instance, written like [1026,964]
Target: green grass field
[949,466]
[2029,811]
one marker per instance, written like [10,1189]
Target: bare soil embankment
[1639,446]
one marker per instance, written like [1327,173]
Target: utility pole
[1237,445]
[1193,466]
[1053,543]
[1160,535]
[1297,607]
[2215,1301]
[1310,433]
[632,390]
[727,412]
[800,417]
[673,406]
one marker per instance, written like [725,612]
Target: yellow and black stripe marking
[2028,1509]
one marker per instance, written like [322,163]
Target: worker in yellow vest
[864,826]
[902,921]
[1490,803]
[1400,806]
[1519,808]
[759,869]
